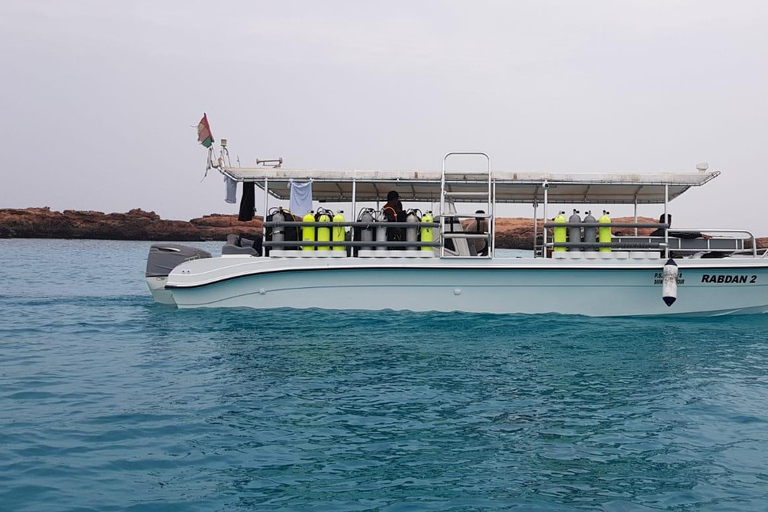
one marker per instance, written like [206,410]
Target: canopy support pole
[635,214]
[354,206]
[666,218]
[535,224]
[544,239]
[264,213]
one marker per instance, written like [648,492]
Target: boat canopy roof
[511,187]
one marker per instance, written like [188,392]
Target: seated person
[478,225]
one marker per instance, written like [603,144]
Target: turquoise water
[110,402]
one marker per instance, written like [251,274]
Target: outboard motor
[574,232]
[381,229]
[590,232]
[412,232]
[161,260]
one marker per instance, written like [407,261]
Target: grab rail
[609,245]
[489,196]
[744,231]
[650,245]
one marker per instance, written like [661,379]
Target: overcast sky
[100,99]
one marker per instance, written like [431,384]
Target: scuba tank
[268,230]
[308,232]
[278,232]
[381,230]
[366,234]
[590,232]
[412,232]
[339,232]
[604,234]
[574,232]
[559,233]
[426,232]
[323,232]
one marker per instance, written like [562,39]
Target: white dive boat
[436,267]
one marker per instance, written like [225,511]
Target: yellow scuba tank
[323,233]
[426,232]
[559,233]
[604,234]
[339,232]
[308,232]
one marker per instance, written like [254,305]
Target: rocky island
[137,224]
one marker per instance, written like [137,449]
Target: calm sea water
[110,402]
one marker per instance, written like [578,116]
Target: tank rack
[371,225]
[348,243]
[605,225]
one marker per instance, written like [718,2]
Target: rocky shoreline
[137,224]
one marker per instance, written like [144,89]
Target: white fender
[669,284]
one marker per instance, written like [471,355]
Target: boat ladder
[467,187]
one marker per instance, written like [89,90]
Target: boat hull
[159,293]
[489,286]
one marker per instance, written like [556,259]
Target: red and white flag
[204,135]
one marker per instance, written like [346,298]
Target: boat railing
[606,225]
[449,234]
[352,224]
[719,244]
[749,236]
[348,243]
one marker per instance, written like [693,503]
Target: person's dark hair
[392,196]
[666,218]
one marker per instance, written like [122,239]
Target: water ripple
[111,402]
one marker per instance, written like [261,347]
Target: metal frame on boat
[615,276]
